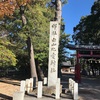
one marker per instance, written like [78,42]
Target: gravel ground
[89,89]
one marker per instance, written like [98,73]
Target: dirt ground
[89,88]
[7,88]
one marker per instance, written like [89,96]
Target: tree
[88,30]
[33,28]
[39,21]
[38,18]
[7,8]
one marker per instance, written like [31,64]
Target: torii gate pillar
[77,69]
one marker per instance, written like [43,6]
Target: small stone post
[39,90]
[73,82]
[70,84]
[22,86]
[31,84]
[18,96]
[58,89]
[45,81]
[75,96]
[27,83]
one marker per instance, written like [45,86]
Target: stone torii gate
[88,51]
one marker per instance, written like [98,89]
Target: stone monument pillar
[53,53]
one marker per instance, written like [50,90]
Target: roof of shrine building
[67,63]
[85,47]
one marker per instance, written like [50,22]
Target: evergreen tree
[32,27]
[88,29]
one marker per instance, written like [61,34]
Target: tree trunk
[31,57]
[39,71]
[58,12]
[30,48]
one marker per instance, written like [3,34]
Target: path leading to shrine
[89,88]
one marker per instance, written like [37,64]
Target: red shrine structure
[84,51]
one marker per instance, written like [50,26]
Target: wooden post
[34,82]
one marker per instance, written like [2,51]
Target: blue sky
[73,11]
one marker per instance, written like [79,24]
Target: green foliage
[38,15]
[64,1]
[37,27]
[7,57]
[64,39]
[88,29]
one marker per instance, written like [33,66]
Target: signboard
[53,53]
[90,47]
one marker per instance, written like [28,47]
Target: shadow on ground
[89,88]
[10,82]
[5,97]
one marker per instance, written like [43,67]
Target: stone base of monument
[51,90]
